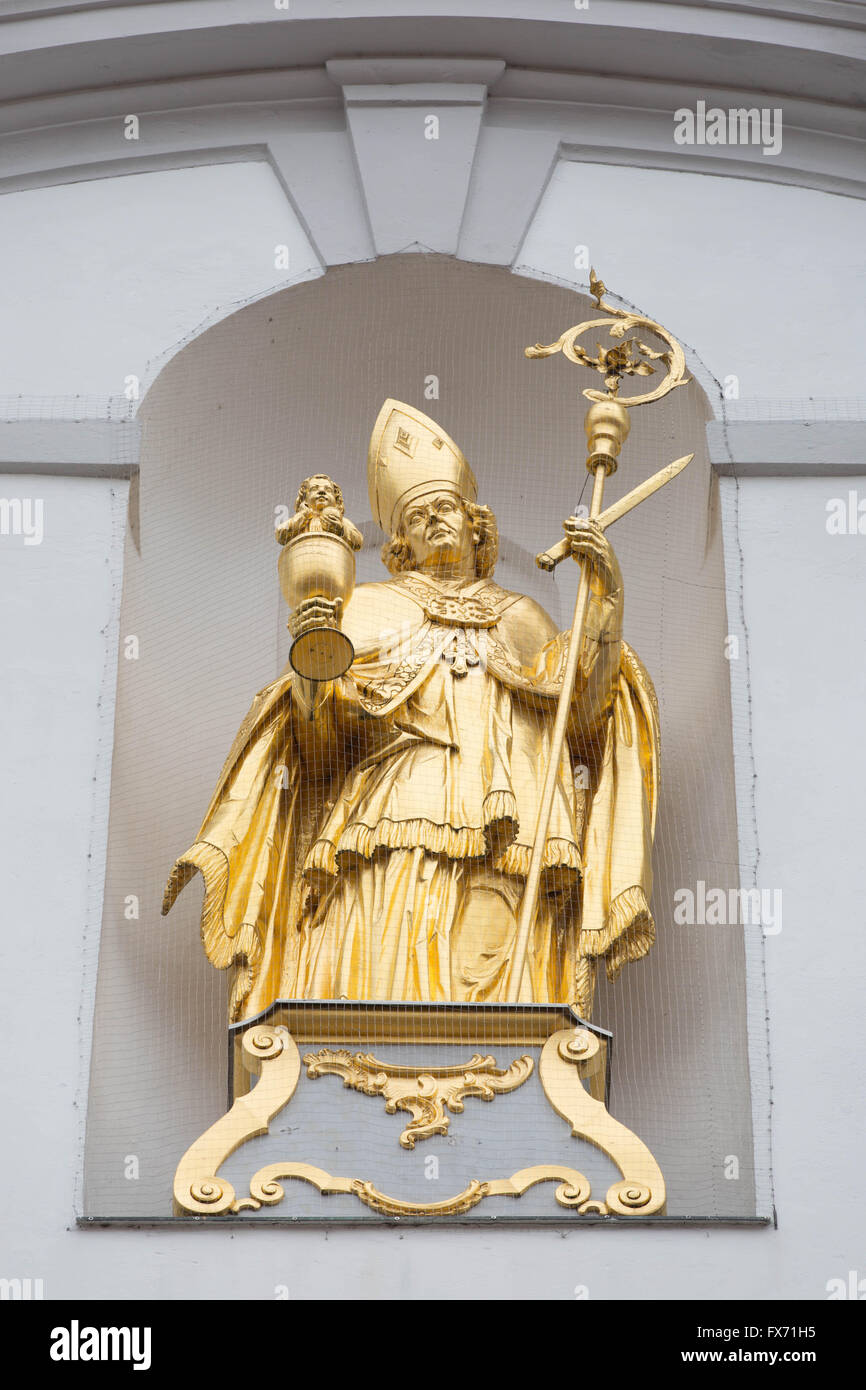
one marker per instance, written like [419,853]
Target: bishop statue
[369,836]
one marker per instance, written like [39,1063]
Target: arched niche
[291,385]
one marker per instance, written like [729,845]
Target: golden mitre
[410,455]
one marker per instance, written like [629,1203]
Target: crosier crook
[607,426]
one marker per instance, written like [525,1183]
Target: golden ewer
[317,565]
[317,577]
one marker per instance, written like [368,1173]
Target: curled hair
[397,553]
[301,499]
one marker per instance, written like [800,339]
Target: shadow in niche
[291,385]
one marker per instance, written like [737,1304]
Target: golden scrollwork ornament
[568,1059]
[424,1094]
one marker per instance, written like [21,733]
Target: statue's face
[320,492]
[438,531]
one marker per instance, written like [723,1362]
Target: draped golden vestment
[369,839]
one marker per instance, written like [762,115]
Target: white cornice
[117,14]
[612,122]
[815,50]
[378,71]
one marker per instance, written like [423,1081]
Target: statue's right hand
[315,612]
[588,542]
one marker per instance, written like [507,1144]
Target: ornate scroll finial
[629,357]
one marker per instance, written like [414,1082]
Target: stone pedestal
[431,1112]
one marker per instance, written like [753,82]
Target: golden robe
[370,839]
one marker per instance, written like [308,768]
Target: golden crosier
[607,427]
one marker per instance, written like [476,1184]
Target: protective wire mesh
[290,386]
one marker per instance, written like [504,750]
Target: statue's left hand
[589,543]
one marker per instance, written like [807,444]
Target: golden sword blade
[549,559]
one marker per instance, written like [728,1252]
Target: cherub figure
[319,507]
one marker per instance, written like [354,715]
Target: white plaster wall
[805,591]
[58,636]
[807,702]
[100,279]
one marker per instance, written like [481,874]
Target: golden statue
[441,799]
[370,838]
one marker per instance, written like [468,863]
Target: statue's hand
[315,612]
[293,527]
[589,543]
[332,520]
